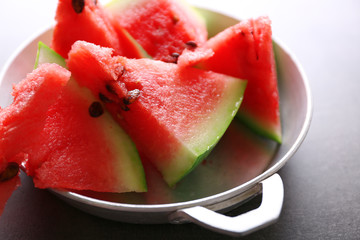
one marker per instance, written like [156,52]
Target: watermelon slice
[86,20]
[67,140]
[164,28]
[245,51]
[17,119]
[175,116]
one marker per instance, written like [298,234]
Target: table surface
[322,190]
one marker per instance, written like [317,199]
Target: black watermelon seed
[95,2]
[175,19]
[124,107]
[174,57]
[131,96]
[191,44]
[10,171]
[110,89]
[104,98]
[78,5]
[96,109]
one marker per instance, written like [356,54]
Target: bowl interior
[239,160]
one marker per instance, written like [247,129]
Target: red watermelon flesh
[176,115]
[83,152]
[161,27]
[17,120]
[245,51]
[88,22]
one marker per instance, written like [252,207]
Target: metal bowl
[241,166]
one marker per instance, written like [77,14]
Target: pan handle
[267,213]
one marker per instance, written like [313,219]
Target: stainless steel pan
[241,166]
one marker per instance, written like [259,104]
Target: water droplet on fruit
[96,109]
[131,96]
[10,171]
[119,71]
[78,5]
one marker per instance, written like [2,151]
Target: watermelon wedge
[164,28]
[175,116]
[82,147]
[86,20]
[17,119]
[67,139]
[245,51]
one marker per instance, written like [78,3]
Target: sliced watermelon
[161,27]
[82,147]
[18,118]
[175,116]
[245,51]
[64,138]
[86,20]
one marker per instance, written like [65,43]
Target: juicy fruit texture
[17,126]
[245,51]
[81,148]
[175,116]
[64,143]
[86,20]
[161,27]
[17,120]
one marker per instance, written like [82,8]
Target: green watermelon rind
[255,126]
[215,130]
[46,55]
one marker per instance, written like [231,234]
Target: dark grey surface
[322,189]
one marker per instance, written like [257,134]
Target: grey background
[322,187]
